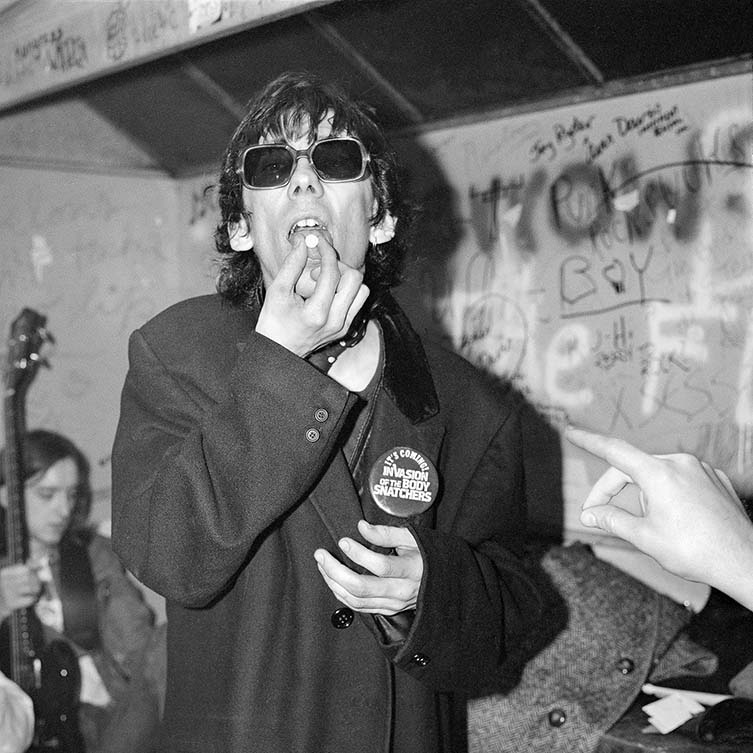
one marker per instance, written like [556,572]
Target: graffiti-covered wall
[97,256]
[600,257]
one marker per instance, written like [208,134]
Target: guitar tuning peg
[46,335]
[40,360]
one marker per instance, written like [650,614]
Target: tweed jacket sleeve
[618,633]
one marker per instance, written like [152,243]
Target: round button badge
[403,482]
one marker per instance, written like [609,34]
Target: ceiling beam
[47,46]
[209,86]
[563,40]
[346,49]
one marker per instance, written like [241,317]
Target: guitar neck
[22,667]
[16,534]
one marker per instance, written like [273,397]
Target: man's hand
[693,523]
[396,578]
[303,324]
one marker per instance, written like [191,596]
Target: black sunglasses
[335,160]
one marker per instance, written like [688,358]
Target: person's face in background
[50,498]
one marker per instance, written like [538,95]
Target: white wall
[600,256]
[97,255]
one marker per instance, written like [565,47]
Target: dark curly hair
[41,450]
[283,106]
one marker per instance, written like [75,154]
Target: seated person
[73,581]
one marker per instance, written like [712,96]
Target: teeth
[305,223]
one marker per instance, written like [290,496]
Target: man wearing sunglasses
[332,508]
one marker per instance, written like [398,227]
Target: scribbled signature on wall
[604,264]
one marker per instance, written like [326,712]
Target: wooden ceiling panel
[418,62]
[163,109]
[452,58]
[628,38]
[244,62]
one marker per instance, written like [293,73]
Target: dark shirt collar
[407,377]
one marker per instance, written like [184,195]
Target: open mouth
[305,225]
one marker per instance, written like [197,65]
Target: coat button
[625,665]
[312,435]
[342,618]
[556,717]
[321,415]
[420,660]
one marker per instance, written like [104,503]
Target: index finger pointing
[616,452]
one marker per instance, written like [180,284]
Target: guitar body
[55,667]
[47,671]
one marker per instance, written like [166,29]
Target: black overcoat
[228,473]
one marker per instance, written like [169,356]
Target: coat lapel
[406,414]
[392,429]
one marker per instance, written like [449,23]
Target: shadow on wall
[434,239]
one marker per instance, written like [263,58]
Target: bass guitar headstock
[28,335]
